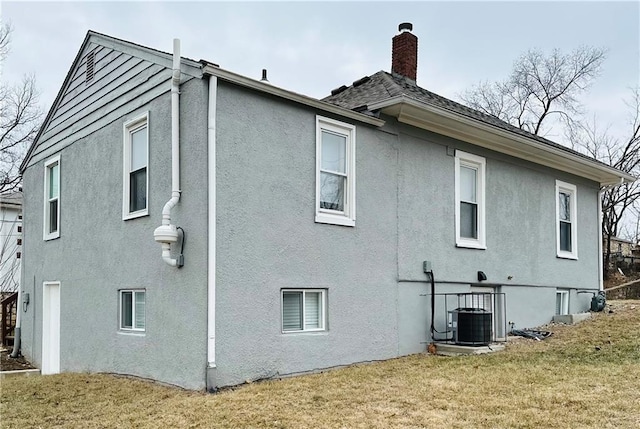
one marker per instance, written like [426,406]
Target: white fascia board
[187,66]
[461,127]
[289,95]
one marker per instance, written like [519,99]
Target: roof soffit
[451,124]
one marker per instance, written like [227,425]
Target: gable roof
[191,67]
[403,98]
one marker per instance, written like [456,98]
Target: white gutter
[211,276]
[167,233]
[289,95]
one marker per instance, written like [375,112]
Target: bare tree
[20,120]
[621,154]
[540,86]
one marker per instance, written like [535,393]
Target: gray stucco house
[194,226]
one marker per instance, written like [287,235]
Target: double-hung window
[132,310]
[136,160]
[335,172]
[470,200]
[303,310]
[566,220]
[52,198]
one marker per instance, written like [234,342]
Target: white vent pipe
[167,233]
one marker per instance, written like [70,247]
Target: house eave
[455,125]
[210,69]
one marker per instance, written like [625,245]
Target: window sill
[131,333]
[471,245]
[51,237]
[308,332]
[334,219]
[135,215]
[567,256]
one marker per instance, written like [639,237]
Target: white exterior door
[51,328]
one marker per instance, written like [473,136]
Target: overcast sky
[312,48]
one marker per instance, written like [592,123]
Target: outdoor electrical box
[426,266]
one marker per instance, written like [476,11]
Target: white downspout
[167,233]
[17,338]
[211,278]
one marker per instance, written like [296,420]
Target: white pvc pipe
[166,255]
[175,135]
[211,278]
[175,152]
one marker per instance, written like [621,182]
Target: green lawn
[585,376]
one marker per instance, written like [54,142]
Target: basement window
[303,310]
[562,302]
[132,310]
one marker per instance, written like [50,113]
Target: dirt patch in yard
[7,363]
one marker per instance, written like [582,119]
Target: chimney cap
[405,26]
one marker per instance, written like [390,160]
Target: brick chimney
[404,52]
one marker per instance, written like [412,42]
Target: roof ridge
[389,81]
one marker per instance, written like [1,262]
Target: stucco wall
[98,253]
[520,259]
[268,240]
[520,219]
[377,290]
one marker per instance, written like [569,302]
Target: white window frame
[323,312]
[335,217]
[564,301]
[565,187]
[46,235]
[463,159]
[133,292]
[130,127]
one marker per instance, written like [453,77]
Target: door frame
[50,327]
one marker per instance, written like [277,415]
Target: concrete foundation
[19,373]
[458,350]
[571,319]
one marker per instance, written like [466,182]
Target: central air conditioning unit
[471,326]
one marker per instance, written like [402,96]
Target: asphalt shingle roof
[382,86]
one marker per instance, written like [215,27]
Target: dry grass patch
[585,376]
